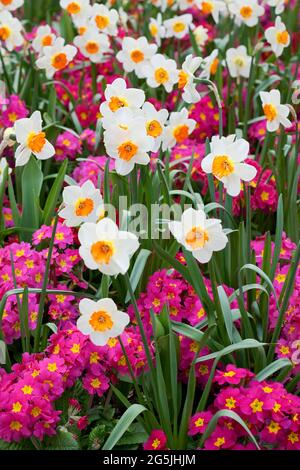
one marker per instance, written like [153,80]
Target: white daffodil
[210,65]
[135,54]
[198,234]
[129,144]
[238,62]
[212,7]
[201,35]
[11,5]
[187,77]
[92,44]
[82,204]
[278,37]
[56,57]
[157,29]
[118,96]
[246,11]
[226,163]
[10,31]
[155,123]
[104,19]
[161,71]
[43,37]
[106,248]
[178,26]
[186,4]
[178,129]
[274,112]
[78,9]
[32,140]
[3,166]
[163,5]
[101,320]
[278,4]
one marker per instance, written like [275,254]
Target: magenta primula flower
[156,441]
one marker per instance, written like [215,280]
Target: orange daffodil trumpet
[161,71]
[32,140]
[246,11]
[106,248]
[78,9]
[178,26]
[157,29]
[93,44]
[178,129]
[82,204]
[10,31]
[11,5]
[104,19]
[43,37]
[199,235]
[278,37]
[226,162]
[187,77]
[135,54]
[274,112]
[101,320]
[56,57]
[118,96]
[212,7]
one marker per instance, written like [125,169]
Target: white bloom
[105,19]
[226,162]
[178,129]
[118,96]
[210,65]
[199,235]
[123,18]
[187,77]
[156,28]
[165,4]
[78,9]
[56,57]
[101,320]
[186,4]
[11,5]
[161,71]
[43,37]
[106,248]
[10,30]
[212,7]
[32,139]
[201,35]
[278,37]
[128,144]
[279,4]
[135,54]
[3,166]
[238,62]
[178,26]
[92,44]
[82,204]
[274,112]
[246,11]
[155,123]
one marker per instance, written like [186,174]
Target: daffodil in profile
[226,162]
[101,320]
[198,234]
[32,140]
[106,248]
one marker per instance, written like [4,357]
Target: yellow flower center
[230,373]
[273,427]
[17,407]
[36,141]
[36,411]
[207,7]
[95,383]
[270,112]
[127,150]
[27,390]
[102,251]
[15,426]
[47,40]
[161,75]
[199,423]
[116,103]
[219,442]
[83,207]
[137,56]
[246,12]
[52,367]
[156,443]
[153,29]
[82,30]
[256,406]
[282,37]
[230,403]
[196,237]
[73,8]
[293,437]
[222,166]
[101,321]
[59,61]
[154,128]
[5,32]
[181,133]
[239,61]
[92,47]
[182,79]
[178,27]
[102,21]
